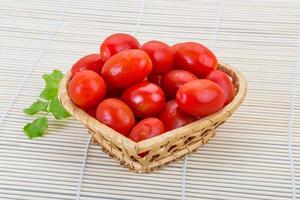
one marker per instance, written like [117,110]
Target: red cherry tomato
[224,82]
[126,68]
[175,47]
[116,114]
[173,80]
[116,43]
[86,89]
[145,129]
[92,111]
[156,79]
[200,98]
[196,58]
[145,99]
[172,117]
[161,56]
[91,62]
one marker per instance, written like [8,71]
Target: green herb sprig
[46,103]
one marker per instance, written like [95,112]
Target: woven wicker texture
[254,155]
[161,149]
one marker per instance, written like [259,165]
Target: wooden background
[255,155]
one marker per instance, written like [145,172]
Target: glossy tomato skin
[91,62]
[224,82]
[126,68]
[172,117]
[200,97]
[175,47]
[145,129]
[156,79]
[86,89]
[116,114]
[116,43]
[196,58]
[145,99]
[161,56]
[173,80]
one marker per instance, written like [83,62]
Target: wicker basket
[161,149]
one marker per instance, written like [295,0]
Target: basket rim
[122,141]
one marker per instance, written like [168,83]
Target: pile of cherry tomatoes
[142,91]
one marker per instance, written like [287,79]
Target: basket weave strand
[161,149]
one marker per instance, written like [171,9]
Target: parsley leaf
[48,103]
[52,83]
[36,128]
[57,109]
[36,107]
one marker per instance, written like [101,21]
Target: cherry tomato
[92,111]
[224,82]
[126,68]
[145,129]
[173,80]
[161,56]
[145,99]
[196,58]
[175,47]
[200,97]
[116,43]
[86,89]
[116,114]
[91,62]
[172,117]
[156,79]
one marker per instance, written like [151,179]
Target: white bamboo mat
[255,155]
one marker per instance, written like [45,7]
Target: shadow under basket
[161,149]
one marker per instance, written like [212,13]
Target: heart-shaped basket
[161,149]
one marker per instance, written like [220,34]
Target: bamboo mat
[255,155]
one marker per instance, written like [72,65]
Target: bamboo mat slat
[255,155]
